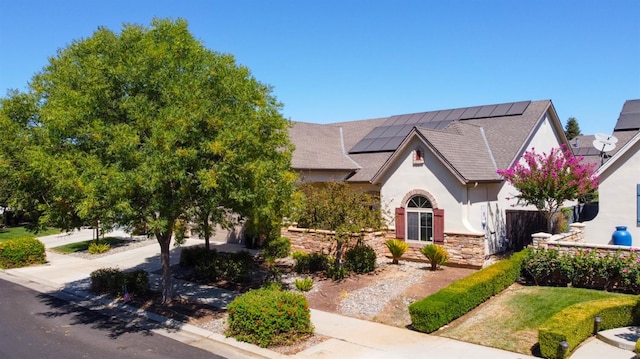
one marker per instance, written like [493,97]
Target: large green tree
[147,126]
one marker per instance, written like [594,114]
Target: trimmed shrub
[637,348]
[191,256]
[614,272]
[310,263]
[237,266]
[337,272]
[361,259]
[455,300]
[277,248]
[268,317]
[575,323]
[436,254]
[21,252]
[112,281]
[397,248]
[98,247]
[305,284]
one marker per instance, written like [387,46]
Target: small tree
[547,180]
[572,129]
[335,206]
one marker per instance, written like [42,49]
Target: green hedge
[113,280]
[269,316]
[21,252]
[277,248]
[575,323]
[455,300]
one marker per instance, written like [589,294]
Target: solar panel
[455,114]
[378,144]
[389,136]
[629,116]
[441,115]
[470,112]
[518,108]
[428,116]
[393,144]
[628,121]
[485,111]
[501,110]
[376,132]
[442,124]
[631,106]
[392,131]
[362,145]
[403,119]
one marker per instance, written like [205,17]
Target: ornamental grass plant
[397,248]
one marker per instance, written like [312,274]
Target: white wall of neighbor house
[618,199]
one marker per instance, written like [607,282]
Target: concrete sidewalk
[349,337]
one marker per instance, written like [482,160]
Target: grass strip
[84,245]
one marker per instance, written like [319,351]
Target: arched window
[419,217]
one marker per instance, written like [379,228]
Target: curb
[96,303]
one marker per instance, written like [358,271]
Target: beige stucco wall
[433,177]
[474,208]
[618,199]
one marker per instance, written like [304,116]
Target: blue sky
[340,60]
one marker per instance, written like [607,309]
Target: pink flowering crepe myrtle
[547,180]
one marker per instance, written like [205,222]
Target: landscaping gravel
[369,301]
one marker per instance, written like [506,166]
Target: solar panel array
[389,135]
[629,116]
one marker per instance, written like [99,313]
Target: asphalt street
[37,325]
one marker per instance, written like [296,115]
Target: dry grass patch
[511,319]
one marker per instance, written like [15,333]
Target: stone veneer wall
[321,241]
[573,241]
[467,250]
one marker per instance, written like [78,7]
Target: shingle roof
[489,142]
[463,147]
[586,149]
[319,147]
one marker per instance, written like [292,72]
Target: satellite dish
[604,143]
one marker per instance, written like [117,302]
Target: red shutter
[400,223]
[438,226]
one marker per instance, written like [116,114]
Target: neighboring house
[619,183]
[435,171]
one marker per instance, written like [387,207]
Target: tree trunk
[207,234]
[339,246]
[164,239]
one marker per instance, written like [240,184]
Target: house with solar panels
[435,171]
[619,177]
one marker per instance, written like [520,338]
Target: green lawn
[18,232]
[84,245]
[510,320]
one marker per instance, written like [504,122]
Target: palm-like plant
[436,254]
[397,249]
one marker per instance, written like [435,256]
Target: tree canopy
[147,126]
[572,128]
[547,180]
